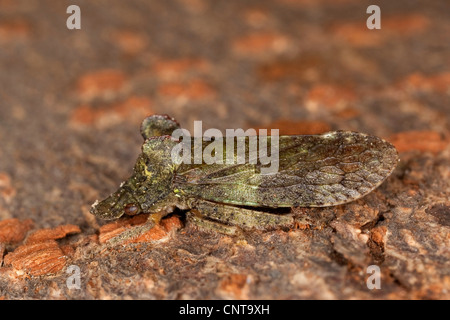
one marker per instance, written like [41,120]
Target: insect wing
[312,171]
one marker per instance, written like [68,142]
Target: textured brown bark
[72,102]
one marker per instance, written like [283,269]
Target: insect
[313,171]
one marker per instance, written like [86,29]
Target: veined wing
[313,171]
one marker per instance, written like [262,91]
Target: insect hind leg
[220,216]
[194,217]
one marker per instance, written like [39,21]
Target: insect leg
[137,231]
[244,218]
[196,218]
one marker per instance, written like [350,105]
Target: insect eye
[131,209]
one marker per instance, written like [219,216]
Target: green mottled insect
[313,171]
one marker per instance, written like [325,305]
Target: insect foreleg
[139,230]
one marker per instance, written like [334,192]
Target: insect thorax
[153,174]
